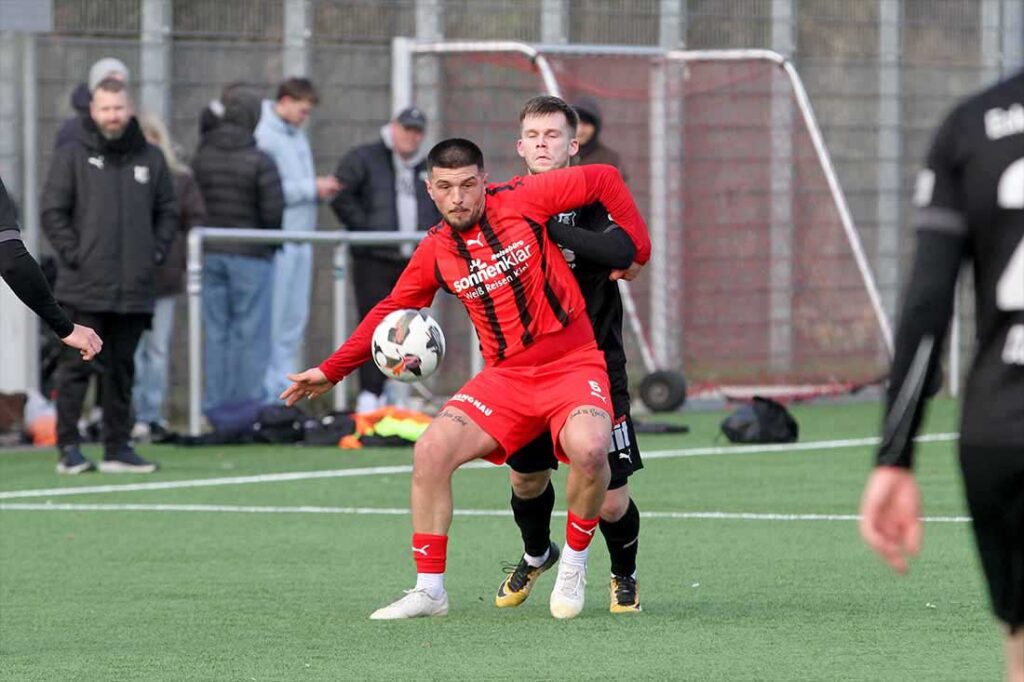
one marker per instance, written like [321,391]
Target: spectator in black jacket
[384,190]
[108,209]
[241,188]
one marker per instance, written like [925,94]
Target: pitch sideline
[405,468]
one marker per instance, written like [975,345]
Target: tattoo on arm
[454,416]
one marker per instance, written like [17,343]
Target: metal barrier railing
[339,238]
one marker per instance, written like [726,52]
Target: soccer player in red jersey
[543,370]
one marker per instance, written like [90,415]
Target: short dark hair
[113,85]
[455,152]
[542,105]
[298,88]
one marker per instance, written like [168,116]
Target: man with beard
[109,211]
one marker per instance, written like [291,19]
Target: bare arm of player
[568,188]
[890,515]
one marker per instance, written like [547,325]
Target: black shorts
[994,483]
[623,458]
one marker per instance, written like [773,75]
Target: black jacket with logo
[108,208]
[368,202]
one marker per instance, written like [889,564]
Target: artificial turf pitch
[234,582]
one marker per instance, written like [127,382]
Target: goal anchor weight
[663,390]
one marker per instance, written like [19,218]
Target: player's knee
[529,486]
[431,456]
[589,447]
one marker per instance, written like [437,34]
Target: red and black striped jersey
[506,271]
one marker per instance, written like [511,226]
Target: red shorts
[515,403]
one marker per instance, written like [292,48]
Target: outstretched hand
[629,274]
[87,341]
[890,515]
[309,384]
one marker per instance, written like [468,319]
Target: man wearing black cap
[383,190]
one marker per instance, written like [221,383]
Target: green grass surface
[186,595]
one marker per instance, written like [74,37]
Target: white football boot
[570,586]
[415,604]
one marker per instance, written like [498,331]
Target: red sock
[579,532]
[430,552]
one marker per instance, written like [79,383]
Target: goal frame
[663,331]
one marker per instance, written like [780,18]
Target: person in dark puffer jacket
[241,188]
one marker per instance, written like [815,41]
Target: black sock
[533,517]
[622,538]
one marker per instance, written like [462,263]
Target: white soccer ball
[408,345]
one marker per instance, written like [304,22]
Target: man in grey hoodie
[383,189]
[280,134]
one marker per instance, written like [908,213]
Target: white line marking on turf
[788,447]
[210,482]
[405,468]
[394,511]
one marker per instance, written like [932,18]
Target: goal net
[757,281]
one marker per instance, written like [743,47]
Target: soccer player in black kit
[970,199]
[22,273]
[597,251]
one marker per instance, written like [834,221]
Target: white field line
[393,511]
[405,468]
[789,447]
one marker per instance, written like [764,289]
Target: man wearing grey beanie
[108,67]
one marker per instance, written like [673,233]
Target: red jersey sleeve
[415,289]
[561,190]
